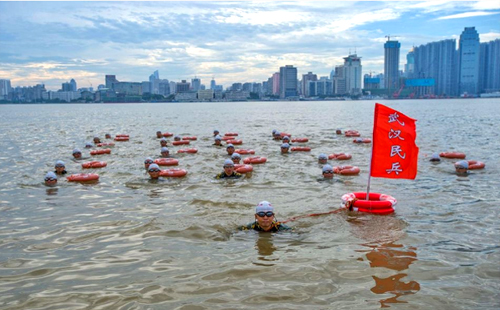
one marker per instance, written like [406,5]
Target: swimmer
[163,142]
[147,162]
[274,131]
[77,154]
[158,134]
[230,149]
[154,171]
[322,159]
[236,158]
[107,136]
[165,152]
[228,171]
[218,140]
[177,138]
[60,167]
[327,172]
[277,135]
[265,219]
[286,139]
[338,131]
[216,133]
[461,167]
[50,179]
[285,147]
[435,157]
[97,140]
[88,145]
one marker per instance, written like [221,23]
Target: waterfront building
[73,85]
[410,64]
[195,84]
[67,96]
[288,82]
[154,87]
[391,64]
[146,87]
[352,74]
[206,95]
[437,60]
[164,87]
[110,80]
[186,95]
[236,87]
[212,84]
[468,68]
[128,88]
[276,84]
[156,74]
[371,82]
[5,89]
[339,81]
[489,66]
[305,86]
[182,87]
[173,87]
[66,87]
[247,87]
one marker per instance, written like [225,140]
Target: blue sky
[233,41]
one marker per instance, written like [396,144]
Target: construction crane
[389,37]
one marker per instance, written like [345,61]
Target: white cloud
[467,14]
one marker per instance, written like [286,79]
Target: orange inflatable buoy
[452,155]
[283,134]
[225,138]
[94,164]
[120,138]
[376,203]
[235,142]
[231,134]
[173,173]
[122,135]
[191,151]
[352,133]
[300,140]
[189,138]
[346,170]
[240,168]
[180,142]
[100,152]
[364,140]
[244,152]
[340,156]
[166,162]
[167,134]
[474,164]
[83,177]
[105,144]
[255,160]
[300,149]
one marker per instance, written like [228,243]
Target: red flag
[394,153]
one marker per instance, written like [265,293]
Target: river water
[130,243]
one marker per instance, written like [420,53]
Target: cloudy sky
[233,41]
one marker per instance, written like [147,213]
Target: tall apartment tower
[489,66]
[276,83]
[468,57]
[73,84]
[391,64]
[195,84]
[5,88]
[306,78]
[410,64]
[352,74]
[110,79]
[213,84]
[437,60]
[288,82]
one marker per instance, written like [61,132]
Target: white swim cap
[264,206]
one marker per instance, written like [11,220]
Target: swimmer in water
[228,172]
[165,152]
[158,134]
[285,148]
[60,168]
[97,140]
[327,171]
[77,154]
[322,159]
[236,158]
[107,136]
[154,171]
[163,142]
[216,133]
[230,149]
[218,140]
[177,138]
[50,179]
[265,219]
[462,168]
[147,162]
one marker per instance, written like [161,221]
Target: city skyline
[54,42]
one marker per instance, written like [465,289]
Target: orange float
[180,142]
[235,142]
[231,134]
[121,138]
[105,144]
[364,140]
[191,151]
[300,149]
[346,170]
[283,134]
[244,152]
[83,177]
[225,138]
[452,155]
[166,162]
[167,134]
[474,164]
[340,156]
[241,168]
[352,133]
[255,160]
[94,164]
[100,152]
[173,173]
[190,138]
[376,203]
[300,140]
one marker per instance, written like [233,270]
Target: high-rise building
[66,86]
[182,87]
[352,74]
[410,64]
[468,57]
[288,81]
[5,89]
[437,60]
[156,74]
[489,70]
[110,79]
[305,88]
[391,64]
[339,83]
[276,83]
[213,84]
[73,85]
[154,87]
[195,84]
